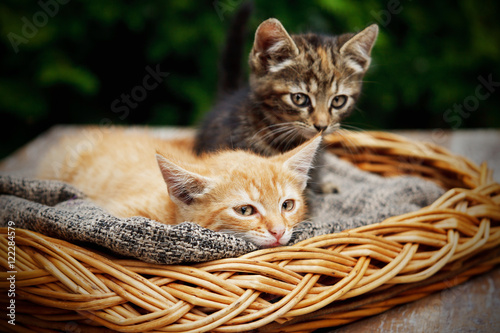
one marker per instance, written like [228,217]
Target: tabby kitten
[300,85]
[254,197]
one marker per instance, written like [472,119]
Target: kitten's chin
[276,244]
[268,246]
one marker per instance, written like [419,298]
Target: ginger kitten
[300,85]
[133,173]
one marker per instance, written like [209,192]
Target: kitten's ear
[357,50]
[301,159]
[272,45]
[183,185]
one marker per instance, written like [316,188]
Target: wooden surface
[470,307]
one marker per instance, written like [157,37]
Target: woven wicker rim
[320,282]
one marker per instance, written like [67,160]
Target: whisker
[265,128]
[279,128]
[277,131]
[349,144]
[291,138]
[284,138]
[356,129]
[352,127]
[281,138]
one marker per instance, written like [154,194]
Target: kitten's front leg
[316,182]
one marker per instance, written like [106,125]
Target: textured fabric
[57,209]
[363,198]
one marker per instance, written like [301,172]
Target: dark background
[67,62]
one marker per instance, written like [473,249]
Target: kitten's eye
[245,210]
[300,100]
[339,101]
[288,205]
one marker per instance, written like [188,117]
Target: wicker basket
[321,282]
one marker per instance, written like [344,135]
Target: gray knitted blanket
[59,210]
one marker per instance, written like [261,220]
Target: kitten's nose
[278,233]
[320,128]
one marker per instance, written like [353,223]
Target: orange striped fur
[132,173]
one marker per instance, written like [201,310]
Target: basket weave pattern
[321,282]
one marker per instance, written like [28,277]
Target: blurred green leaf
[79,78]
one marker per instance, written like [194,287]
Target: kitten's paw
[324,188]
[329,188]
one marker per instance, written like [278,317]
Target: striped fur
[118,171]
[263,117]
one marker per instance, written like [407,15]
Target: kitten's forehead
[317,68]
[317,53]
[268,180]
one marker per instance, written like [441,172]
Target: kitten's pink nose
[277,233]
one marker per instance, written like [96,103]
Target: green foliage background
[86,54]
